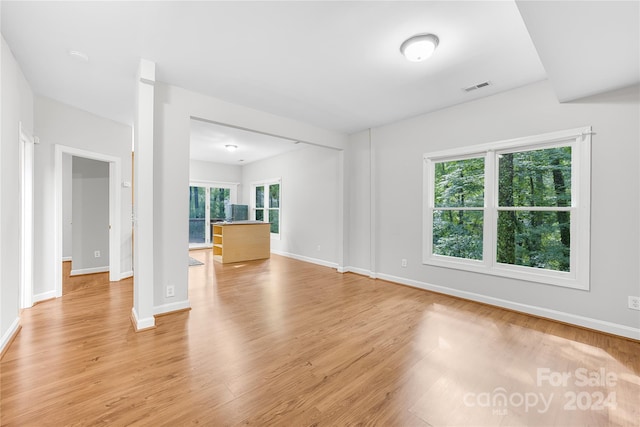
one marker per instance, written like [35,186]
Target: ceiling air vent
[478,86]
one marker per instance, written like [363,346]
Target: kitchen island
[241,241]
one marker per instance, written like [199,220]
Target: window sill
[528,274]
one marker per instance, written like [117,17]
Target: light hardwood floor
[73,283]
[282,342]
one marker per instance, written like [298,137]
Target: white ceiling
[208,141]
[587,47]
[334,64]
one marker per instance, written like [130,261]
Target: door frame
[114,210]
[208,185]
[27,142]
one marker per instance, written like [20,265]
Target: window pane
[259,215]
[274,219]
[534,239]
[219,200]
[458,233]
[459,183]
[274,196]
[197,212]
[535,178]
[260,196]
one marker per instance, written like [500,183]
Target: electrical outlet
[403,262]
[96,254]
[634,303]
[318,248]
[171,291]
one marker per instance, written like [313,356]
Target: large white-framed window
[266,203]
[207,203]
[518,208]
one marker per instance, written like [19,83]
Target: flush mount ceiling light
[231,148]
[419,47]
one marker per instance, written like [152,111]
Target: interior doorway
[114,203]
[85,223]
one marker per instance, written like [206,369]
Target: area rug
[193,261]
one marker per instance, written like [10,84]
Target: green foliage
[274,196]
[260,196]
[535,178]
[532,178]
[197,204]
[459,183]
[273,203]
[458,233]
[219,199]
[536,240]
[274,219]
[196,214]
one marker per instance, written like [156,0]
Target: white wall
[67,207]
[530,110]
[357,165]
[201,171]
[57,123]
[173,112]
[17,106]
[309,196]
[90,215]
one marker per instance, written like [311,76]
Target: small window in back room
[266,204]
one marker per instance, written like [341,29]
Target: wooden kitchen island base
[241,241]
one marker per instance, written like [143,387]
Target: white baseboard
[574,319]
[126,275]
[66,258]
[92,270]
[8,336]
[174,306]
[44,296]
[360,271]
[307,259]
[142,324]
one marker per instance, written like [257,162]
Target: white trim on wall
[573,319]
[114,210]
[92,270]
[44,296]
[26,217]
[171,307]
[11,332]
[308,259]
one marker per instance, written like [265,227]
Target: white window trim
[208,185]
[266,183]
[579,275]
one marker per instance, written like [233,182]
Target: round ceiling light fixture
[231,148]
[419,47]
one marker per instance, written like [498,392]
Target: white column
[143,261]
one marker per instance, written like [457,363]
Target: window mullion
[490,215]
[265,203]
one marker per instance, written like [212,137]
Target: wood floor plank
[283,342]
